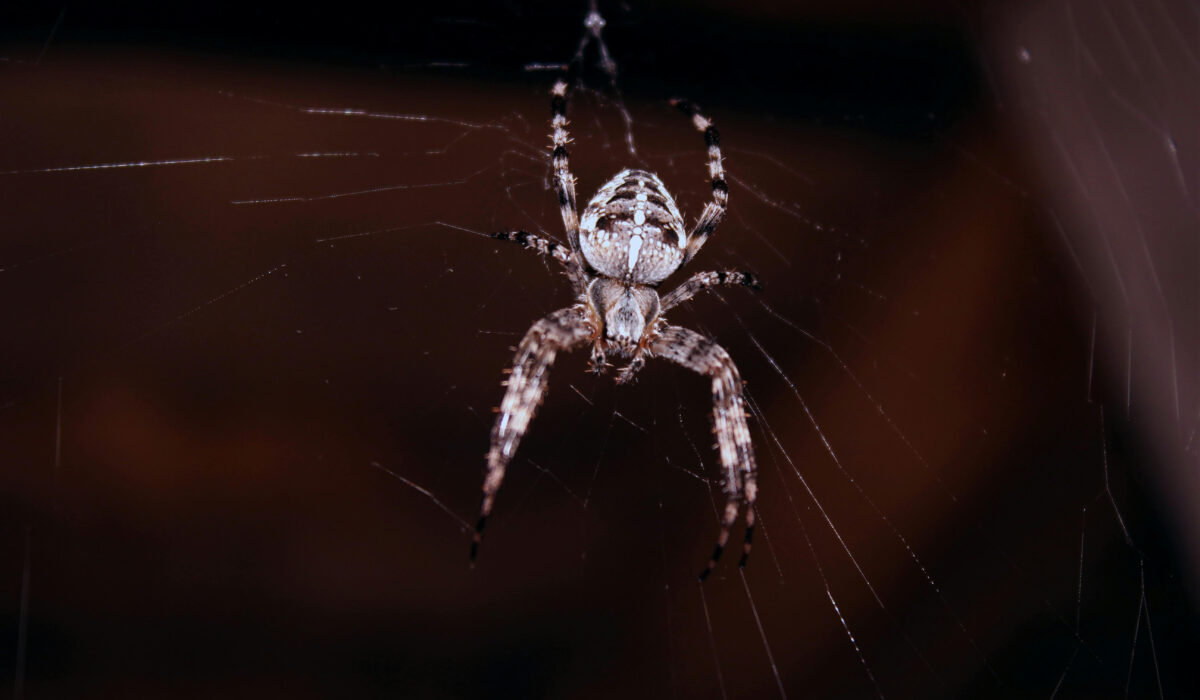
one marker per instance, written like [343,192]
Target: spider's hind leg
[714,211]
[564,184]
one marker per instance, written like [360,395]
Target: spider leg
[706,280]
[629,371]
[564,181]
[699,354]
[598,363]
[565,329]
[543,246]
[714,211]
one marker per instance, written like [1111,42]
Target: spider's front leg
[699,354]
[565,329]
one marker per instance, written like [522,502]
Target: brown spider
[630,239]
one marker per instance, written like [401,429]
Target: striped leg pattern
[564,181]
[703,356]
[706,280]
[544,246]
[563,330]
[714,211]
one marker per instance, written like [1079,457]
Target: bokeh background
[252,341]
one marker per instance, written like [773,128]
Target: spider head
[627,310]
[632,229]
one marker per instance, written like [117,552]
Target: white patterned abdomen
[632,229]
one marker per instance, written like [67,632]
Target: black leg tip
[712,562]
[746,544]
[477,538]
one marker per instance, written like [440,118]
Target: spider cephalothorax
[630,239]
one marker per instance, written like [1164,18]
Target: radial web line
[712,644]
[462,524]
[838,611]
[762,633]
[845,547]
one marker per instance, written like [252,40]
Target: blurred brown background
[251,348]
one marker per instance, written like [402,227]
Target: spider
[630,239]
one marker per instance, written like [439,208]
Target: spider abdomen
[632,230]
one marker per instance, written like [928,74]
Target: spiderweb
[255,328]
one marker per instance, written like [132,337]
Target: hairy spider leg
[703,356]
[543,246]
[714,211]
[706,280]
[564,181]
[563,330]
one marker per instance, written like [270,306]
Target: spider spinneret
[631,237]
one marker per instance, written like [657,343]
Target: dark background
[239,442]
